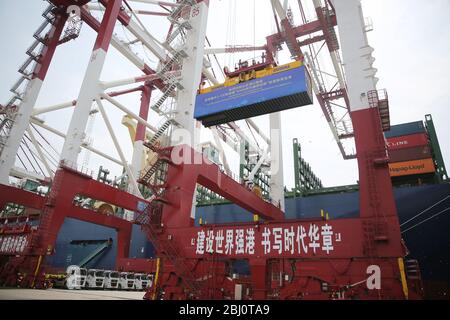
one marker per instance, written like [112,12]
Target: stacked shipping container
[409,150]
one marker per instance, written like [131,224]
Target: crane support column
[191,77]
[376,194]
[22,120]
[138,144]
[90,86]
[191,73]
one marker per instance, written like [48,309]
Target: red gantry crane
[357,258]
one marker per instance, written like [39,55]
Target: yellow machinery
[252,74]
[148,156]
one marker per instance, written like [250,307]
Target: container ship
[177,211]
[421,191]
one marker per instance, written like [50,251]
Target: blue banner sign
[258,94]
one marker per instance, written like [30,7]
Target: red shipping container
[409,154]
[409,141]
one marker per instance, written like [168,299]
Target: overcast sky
[410,38]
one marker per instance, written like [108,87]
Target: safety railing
[76,167]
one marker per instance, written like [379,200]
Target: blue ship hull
[428,242]
[72,230]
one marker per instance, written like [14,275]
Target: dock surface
[64,294]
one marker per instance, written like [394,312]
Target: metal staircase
[182,26]
[379,99]
[155,175]
[155,178]
[34,52]
[159,133]
[328,14]
[167,66]
[172,82]
[414,275]
[95,253]
[412,269]
[150,221]
[156,107]
[39,241]
[7,115]
[183,4]
[179,18]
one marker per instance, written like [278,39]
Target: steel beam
[22,119]
[90,87]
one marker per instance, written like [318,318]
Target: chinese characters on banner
[251,87]
[13,244]
[299,239]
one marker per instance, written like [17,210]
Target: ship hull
[426,236]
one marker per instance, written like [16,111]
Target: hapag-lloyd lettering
[299,239]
